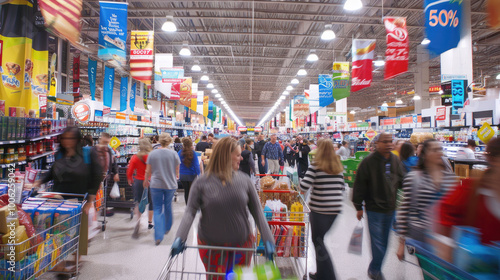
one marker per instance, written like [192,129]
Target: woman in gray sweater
[224,196]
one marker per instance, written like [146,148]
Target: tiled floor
[116,255]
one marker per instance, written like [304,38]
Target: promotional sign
[442,24]
[340,79]
[162,60]
[141,55]
[109,82]
[167,74]
[92,73]
[485,133]
[81,111]
[194,97]
[123,93]
[493,10]
[205,106]
[458,90]
[210,110]
[370,134]
[133,90]
[62,17]
[446,96]
[325,90]
[76,76]
[362,57]
[282,119]
[199,102]
[175,91]
[440,113]
[398,47]
[185,92]
[114,142]
[300,106]
[313,98]
[52,77]
[113,32]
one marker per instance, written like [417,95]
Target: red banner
[362,57]
[141,55]
[76,77]
[440,113]
[398,47]
[175,93]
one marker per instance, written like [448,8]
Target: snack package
[267,183]
[43,218]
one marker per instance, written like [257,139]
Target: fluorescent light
[291,88]
[282,97]
[353,5]
[169,25]
[215,91]
[218,95]
[399,102]
[328,33]
[221,99]
[286,92]
[498,77]
[302,71]
[426,41]
[196,67]
[185,50]
[204,78]
[441,91]
[294,82]
[379,63]
[210,85]
[416,97]
[385,104]
[353,112]
[312,57]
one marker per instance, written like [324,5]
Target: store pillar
[422,79]
[458,61]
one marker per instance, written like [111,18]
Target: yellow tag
[485,133]
[115,143]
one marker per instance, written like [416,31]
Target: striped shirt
[422,214]
[326,194]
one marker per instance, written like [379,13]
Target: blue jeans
[162,207]
[379,225]
[320,225]
[262,169]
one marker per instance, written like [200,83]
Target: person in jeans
[163,169]
[190,166]
[378,178]
[247,164]
[259,146]
[273,153]
[324,176]
[302,151]
[290,153]
[137,165]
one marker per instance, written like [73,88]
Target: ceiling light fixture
[204,78]
[328,33]
[441,91]
[218,95]
[302,71]
[498,77]
[416,97]
[399,102]
[385,104]
[286,92]
[353,112]
[210,85]
[282,97]
[169,25]
[185,50]
[221,99]
[312,57]
[294,82]
[379,62]
[353,5]
[291,88]
[215,91]
[425,41]
[196,67]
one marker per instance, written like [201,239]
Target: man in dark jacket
[379,176]
[259,146]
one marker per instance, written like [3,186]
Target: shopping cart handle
[177,247]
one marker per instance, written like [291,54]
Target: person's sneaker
[157,242]
[376,275]
[312,275]
[150,225]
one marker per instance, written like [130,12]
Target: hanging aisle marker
[398,47]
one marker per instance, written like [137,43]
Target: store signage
[175,90]
[340,78]
[133,90]
[62,18]
[109,82]
[300,106]
[76,77]
[113,32]
[458,90]
[482,121]
[460,122]
[448,77]
[362,57]
[185,92]
[370,134]
[114,142]
[81,111]
[132,117]
[325,90]
[485,133]
[440,113]
[92,73]
[435,89]
[121,116]
[242,128]
[123,93]
[442,24]
[398,47]
[258,129]
[205,105]
[446,96]
[141,55]
[169,74]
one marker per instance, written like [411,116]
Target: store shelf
[8,142]
[45,137]
[15,164]
[41,156]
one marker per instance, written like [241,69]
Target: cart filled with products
[288,217]
[42,233]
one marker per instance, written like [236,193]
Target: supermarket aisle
[120,257]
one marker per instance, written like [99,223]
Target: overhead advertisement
[123,93]
[62,17]
[162,60]
[113,33]
[300,106]
[493,9]
[92,73]
[107,95]
[442,24]
[325,90]
[398,47]
[141,55]
[340,79]
[458,92]
[362,57]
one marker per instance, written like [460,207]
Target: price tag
[485,133]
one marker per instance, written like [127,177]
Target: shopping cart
[45,250]
[189,265]
[434,267]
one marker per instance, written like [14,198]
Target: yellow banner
[205,106]
[142,55]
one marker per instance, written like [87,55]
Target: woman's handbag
[144,200]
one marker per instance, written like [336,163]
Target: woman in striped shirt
[422,188]
[325,179]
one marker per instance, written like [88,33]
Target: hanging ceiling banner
[205,106]
[398,47]
[199,102]
[185,92]
[325,90]
[76,77]
[92,73]
[133,93]
[141,55]
[107,94]
[300,106]
[194,97]
[362,57]
[210,110]
[62,17]
[340,79]
[442,24]
[123,93]
[162,60]
[113,33]
[313,98]
[493,10]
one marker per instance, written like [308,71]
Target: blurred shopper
[422,188]
[154,142]
[138,165]
[259,146]
[242,141]
[87,141]
[419,149]
[378,178]
[247,164]
[290,153]
[203,144]
[106,157]
[407,156]
[163,169]
[335,147]
[397,147]
[468,151]
[302,151]
[225,197]
[273,153]
[210,138]
[177,144]
[324,176]
[344,152]
[190,166]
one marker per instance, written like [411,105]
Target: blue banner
[123,93]
[325,90]
[458,91]
[132,96]
[109,82]
[92,72]
[113,32]
[210,110]
[442,24]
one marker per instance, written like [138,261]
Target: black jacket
[259,146]
[374,186]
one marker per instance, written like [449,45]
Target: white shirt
[465,153]
[343,152]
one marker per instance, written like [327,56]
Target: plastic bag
[356,243]
[144,200]
[115,191]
